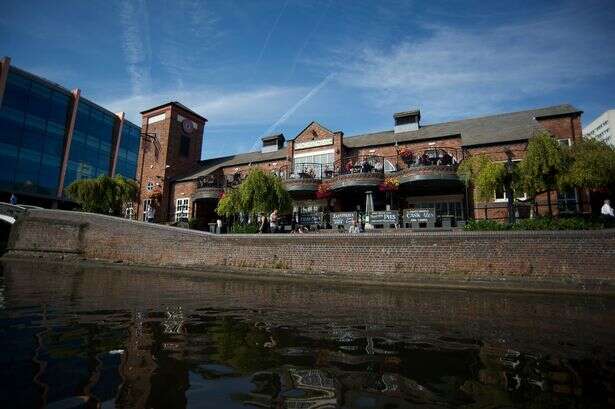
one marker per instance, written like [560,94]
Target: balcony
[422,173]
[358,172]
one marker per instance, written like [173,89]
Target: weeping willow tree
[484,175]
[260,192]
[104,194]
[590,165]
[543,165]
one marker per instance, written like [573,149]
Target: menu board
[343,218]
[310,218]
[384,217]
[419,215]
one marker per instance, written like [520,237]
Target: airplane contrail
[295,107]
[275,24]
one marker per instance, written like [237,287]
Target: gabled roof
[493,129]
[308,125]
[509,127]
[211,165]
[177,104]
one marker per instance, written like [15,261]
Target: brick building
[421,158]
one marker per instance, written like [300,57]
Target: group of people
[364,166]
[268,224]
[445,159]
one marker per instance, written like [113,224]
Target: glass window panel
[35,122]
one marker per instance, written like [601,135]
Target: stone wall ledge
[579,261]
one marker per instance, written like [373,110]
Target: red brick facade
[569,260]
[161,157]
[162,165]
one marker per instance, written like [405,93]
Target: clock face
[188,126]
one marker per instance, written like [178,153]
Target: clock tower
[172,138]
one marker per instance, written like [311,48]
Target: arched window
[389,167]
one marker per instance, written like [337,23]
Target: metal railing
[432,156]
[355,164]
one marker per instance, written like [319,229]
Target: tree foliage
[485,175]
[260,192]
[490,178]
[591,165]
[103,194]
[542,166]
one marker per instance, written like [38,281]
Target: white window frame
[505,198]
[149,186]
[567,140]
[182,208]
[389,167]
[576,202]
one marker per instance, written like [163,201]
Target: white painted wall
[602,128]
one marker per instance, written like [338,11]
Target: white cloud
[136,43]
[222,107]
[454,71]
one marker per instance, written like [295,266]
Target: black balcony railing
[434,156]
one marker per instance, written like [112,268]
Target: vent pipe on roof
[407,121]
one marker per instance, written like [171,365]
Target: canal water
[91,336]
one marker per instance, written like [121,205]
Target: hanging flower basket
[324,191]
[406,155]
[390,184]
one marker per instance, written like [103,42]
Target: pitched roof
[211,165]
[493,129]
[509,127]
[177,104]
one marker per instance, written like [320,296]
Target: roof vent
[407,121]
[273,143]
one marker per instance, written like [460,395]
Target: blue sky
[255,67]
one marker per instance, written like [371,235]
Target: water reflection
[108,337]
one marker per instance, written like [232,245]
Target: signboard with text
[313,144]
[385,217]
[419,215]
[310,218]
[343,218]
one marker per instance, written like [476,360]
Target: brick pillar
[5,63]
[69,138]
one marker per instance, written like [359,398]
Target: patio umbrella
[369,202]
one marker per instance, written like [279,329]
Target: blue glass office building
[51,136]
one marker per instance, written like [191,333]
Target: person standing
[13,199]
[607,211]
[273,221]
[150,214]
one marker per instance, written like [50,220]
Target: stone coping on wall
[315,235]
[572,260]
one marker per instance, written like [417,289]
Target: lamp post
[508,186]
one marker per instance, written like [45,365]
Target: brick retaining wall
[570,259]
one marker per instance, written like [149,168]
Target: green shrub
[541,223]
[547,223]
[244,229]
[198,224]
[481,225]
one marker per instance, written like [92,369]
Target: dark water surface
[77,336]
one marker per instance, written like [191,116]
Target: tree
[103,194]
[260,192]
[484,175]
[543,164]
[591,165]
